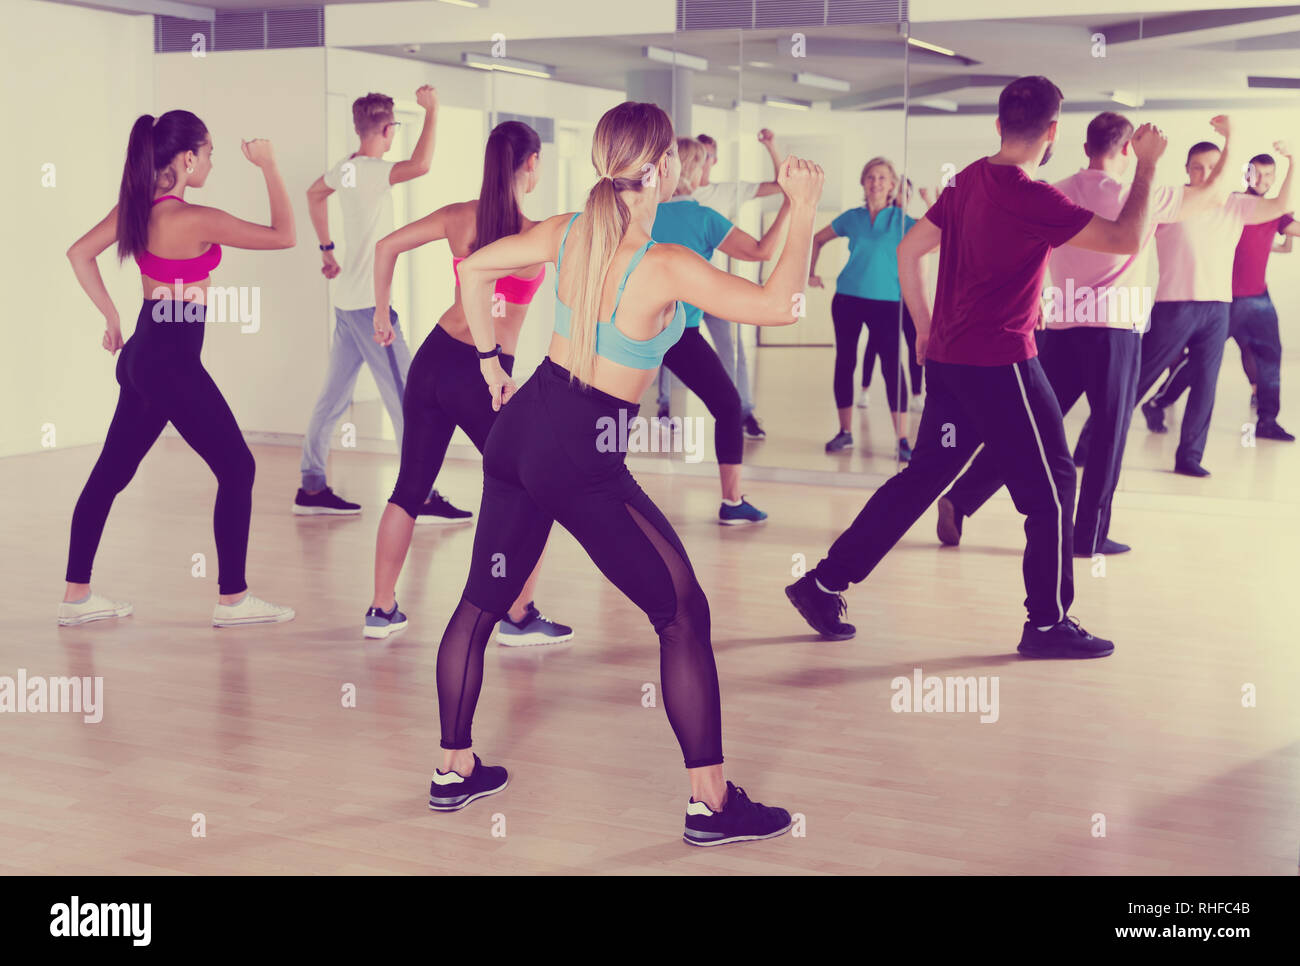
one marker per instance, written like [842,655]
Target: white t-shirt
[1196,255]
[727,196]
[365,196]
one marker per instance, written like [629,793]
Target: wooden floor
[246,726]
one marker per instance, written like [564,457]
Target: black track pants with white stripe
[1013,410]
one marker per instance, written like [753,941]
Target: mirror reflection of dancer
[726,197]
[867,293]
[445,388]
[684,221]
[177,246]
[363,181]
[548,457]
[984,384]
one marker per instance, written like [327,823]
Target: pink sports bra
[194,269]
[512,288]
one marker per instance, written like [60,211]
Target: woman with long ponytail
[162,378]
[444,388]
[557,453]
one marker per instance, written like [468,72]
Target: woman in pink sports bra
[162,379]
[445,388]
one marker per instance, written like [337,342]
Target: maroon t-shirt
[1252,256]
[999,227]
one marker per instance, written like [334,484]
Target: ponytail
[509,147]
[153,145]
[625,149]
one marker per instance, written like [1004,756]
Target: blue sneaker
[379,624]
[535,628]
[449,791]
[745,513]
[739,821]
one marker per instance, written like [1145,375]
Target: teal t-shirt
[872,269]
[686,222]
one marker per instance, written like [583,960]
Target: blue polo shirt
[872,269]
[686,222]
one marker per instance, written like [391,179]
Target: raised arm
[743,246]
[83,254]
[223,228]
[431,227]
[768,140]
[1123,236]
[692,279]
[820,239]
[422,157]
[1279,204]
[921,239]
[1212,192]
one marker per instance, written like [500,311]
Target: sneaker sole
[424,521]
[825,634]
[317,511]
[735,838]
[98,615]
[840,449]
[379,633]
[738,523]
[1075,656]
[473,798]
[947,530]
[532,642]
[277,619]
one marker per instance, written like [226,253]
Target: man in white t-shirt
[364,183]
[726,198]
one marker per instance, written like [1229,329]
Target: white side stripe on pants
[1042,454]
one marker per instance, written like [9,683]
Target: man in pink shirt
[1252,319]
[1097,309]
[1194,297]
[997,226]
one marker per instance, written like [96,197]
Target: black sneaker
[904,451]
[752,429]
[324,502]
[1254,399]
[436,509]
[821,610]
[535,628]
[1188,468]
[450,791]
[1155,417]
[740,820]
[949,528]
[1269,429]
[842,440]
[380,623]
[1108,546]
[1064,639]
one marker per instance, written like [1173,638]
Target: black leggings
[163,379]
[444,389]
[545,462]
[914,368]
[848,312]
[695,363]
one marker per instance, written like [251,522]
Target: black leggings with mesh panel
[554,455]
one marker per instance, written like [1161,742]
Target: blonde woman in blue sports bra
[549,455]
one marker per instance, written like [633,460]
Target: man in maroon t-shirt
[995,227]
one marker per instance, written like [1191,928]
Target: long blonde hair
[625,150]
[692,154]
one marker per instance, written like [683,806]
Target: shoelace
[1078,627]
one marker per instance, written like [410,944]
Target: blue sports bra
[612,344]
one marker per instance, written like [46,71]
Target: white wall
[74,80]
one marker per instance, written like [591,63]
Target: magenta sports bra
[512,288]
[194,269]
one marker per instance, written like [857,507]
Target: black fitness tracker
[490,353]
[327,248]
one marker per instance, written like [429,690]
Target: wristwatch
[490,353]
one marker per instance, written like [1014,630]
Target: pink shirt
[1196,255]
[1099,288]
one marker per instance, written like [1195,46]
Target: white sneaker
[862,398]
[917,404]
[250,610]
[93,608]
